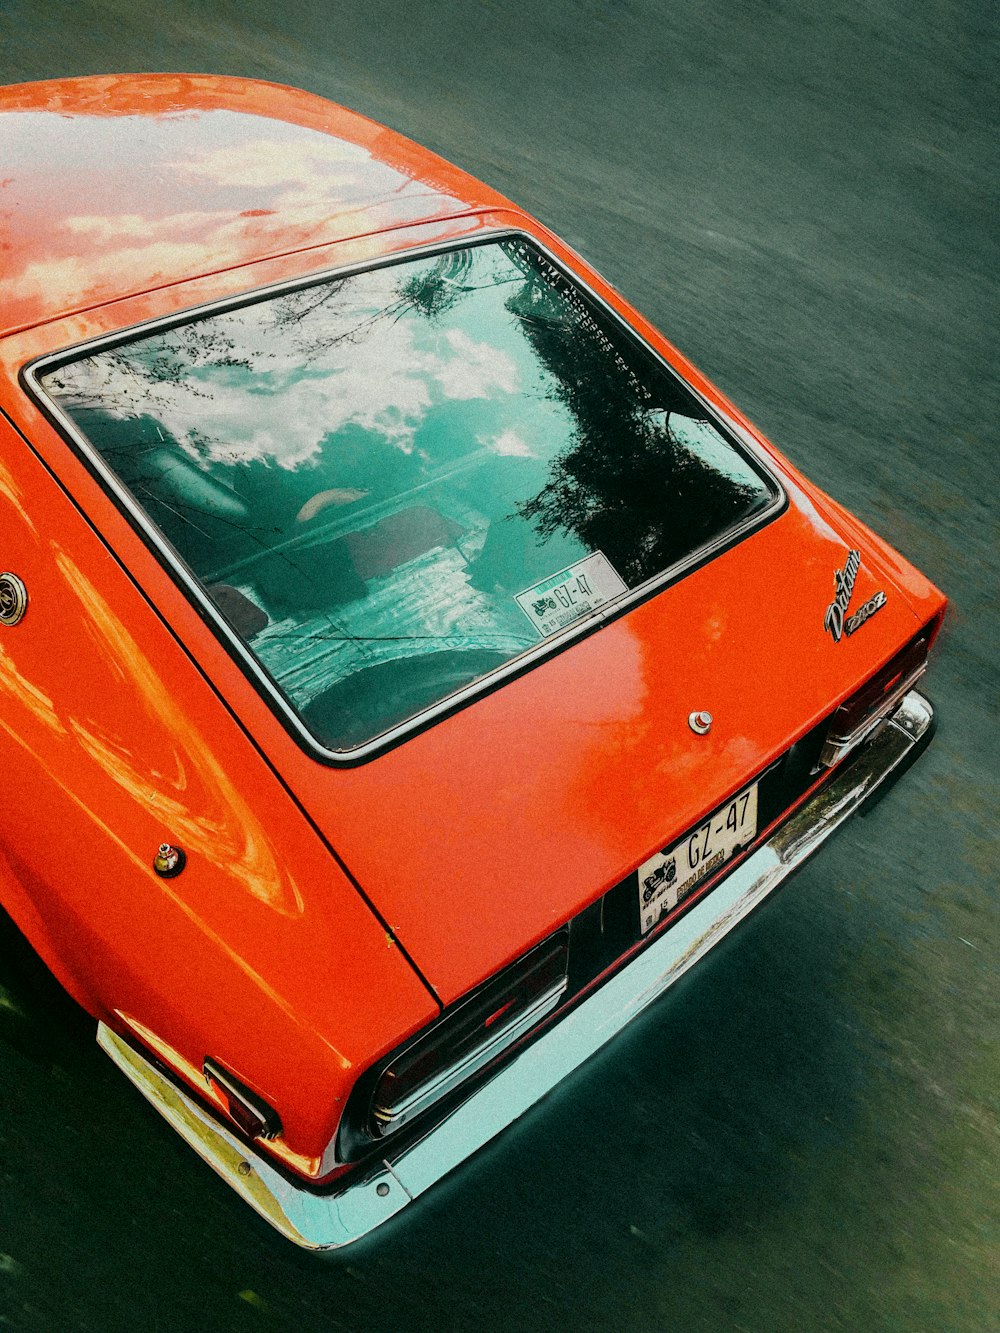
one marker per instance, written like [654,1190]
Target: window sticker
[563,598]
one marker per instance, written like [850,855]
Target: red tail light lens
[469,1037]
[877,698]
[251,1113]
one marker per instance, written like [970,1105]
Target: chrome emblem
[837,621]
[700,722]
[13,599]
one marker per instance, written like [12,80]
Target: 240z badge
[837,621]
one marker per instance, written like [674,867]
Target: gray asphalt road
[803,1136]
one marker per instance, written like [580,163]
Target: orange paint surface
[121,184]
[127,199]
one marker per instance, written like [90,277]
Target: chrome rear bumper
[327,1219]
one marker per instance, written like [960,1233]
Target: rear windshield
[394,483]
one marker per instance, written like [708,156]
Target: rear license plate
[669,876]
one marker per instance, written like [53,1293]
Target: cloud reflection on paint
[104,198]
[221,827]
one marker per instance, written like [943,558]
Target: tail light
[877,698]
[469,1037]
[255,1118]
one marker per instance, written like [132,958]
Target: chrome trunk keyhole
[700,722]
[13,599]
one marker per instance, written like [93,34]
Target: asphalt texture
[803,1135]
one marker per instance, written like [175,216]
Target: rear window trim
[189,584]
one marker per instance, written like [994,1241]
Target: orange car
[409,663]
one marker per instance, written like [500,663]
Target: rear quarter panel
[261,953]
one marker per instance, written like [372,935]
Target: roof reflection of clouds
[97,207]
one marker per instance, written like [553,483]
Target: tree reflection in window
[625,484]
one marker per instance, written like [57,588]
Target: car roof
[116,185]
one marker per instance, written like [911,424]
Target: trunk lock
[13,599]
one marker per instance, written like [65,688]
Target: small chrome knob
[700,722]
[169,861]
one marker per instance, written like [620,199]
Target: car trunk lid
[490,829]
